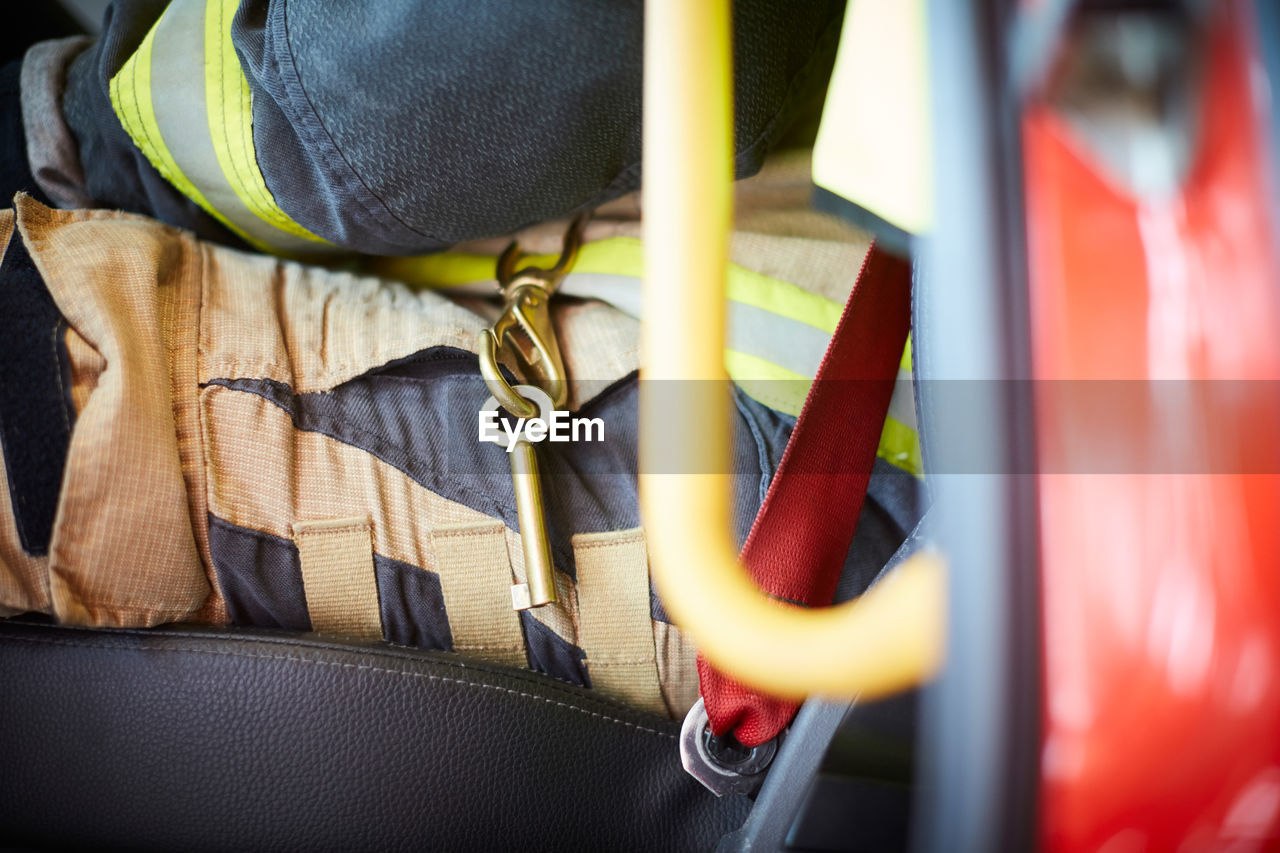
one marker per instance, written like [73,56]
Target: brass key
[524,332]
[540,588]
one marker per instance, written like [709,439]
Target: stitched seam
[358,667]
[226,108]
[137,110]
[609,660]
[200,468]
[240,167]
[495,530]
[591,546]
[277,637]
[359,528]
[336,373]
[62,389]
[311,140]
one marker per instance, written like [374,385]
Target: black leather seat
[190,739]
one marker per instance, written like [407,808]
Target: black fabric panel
[402,126]
[215,740]
[412,604]
[419,416]
[891,510]
[260,577]
[35,419]
[551,654]
[15,168]
[261,581]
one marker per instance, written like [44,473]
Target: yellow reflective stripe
[613,256]
[900,446]
[783,298]
[230,107]
[617,256]
[440,271]
[625,256]
[765,382]
[213,163]
[785,391]
[130,93]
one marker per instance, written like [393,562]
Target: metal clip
[525,328]
[526,332]
[722,765]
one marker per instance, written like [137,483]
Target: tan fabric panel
[125,548]
[475,580]
[677,669]
[313,328]
[263,473]
[6,227]
[336,558]
[826,267]
[600,345]
[87,365]
[613,617]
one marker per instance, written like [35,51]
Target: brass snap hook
[525,327]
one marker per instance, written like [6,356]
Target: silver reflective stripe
[902,406]
[621,291]
[181,110]
[779,340]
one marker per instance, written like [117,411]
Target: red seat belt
[798,542]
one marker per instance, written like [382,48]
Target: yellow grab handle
[890,638]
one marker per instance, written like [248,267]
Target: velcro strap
[336,558]
[475,582]
[613,617]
